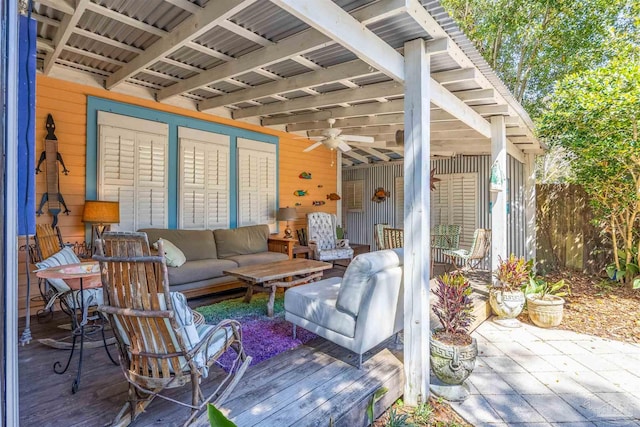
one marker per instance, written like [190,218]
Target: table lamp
[287,214]
[100,214]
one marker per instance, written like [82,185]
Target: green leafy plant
[377,395]
[540,286]
[512,273]
[217,418]
[453,306]
[625,270]
[398,420]
[423,414]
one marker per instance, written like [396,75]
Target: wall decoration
[320,185]
[52,156]
[318,202]
[298,204]
[300,193]
[333,196]
[433,179]
[496,180]
[380,195]
[305,175]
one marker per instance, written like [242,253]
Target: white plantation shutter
[455,201]
[353,195]
[204,179]
[132,169]
[399,196]
[464,206]
[256,183]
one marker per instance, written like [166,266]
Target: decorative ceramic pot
[452,364]
[506,304]
[545,312]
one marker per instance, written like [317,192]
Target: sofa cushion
[174,256]
[259,258]
[316,302]
[356,278]
[195,244]
[242,240]
[192,271]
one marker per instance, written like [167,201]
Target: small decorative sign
[305,175]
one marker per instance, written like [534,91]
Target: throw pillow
[174,256]
[66,256]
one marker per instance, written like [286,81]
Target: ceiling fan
[334,139]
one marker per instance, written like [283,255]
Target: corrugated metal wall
[359,225]
[516,232]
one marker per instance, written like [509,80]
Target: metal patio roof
[252,60]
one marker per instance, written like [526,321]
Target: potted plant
[453,351]
[545,304]
[505,294]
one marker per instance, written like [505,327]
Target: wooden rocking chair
[160,347]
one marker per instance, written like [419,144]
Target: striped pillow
[64,257]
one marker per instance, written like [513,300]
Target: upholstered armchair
[357,311]
[324,244]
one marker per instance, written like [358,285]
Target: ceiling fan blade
[357,138]
[312,146]
[344,147]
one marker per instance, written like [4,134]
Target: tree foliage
[595,115]
[533,43]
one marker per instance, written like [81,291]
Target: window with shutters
[204,179]
[132,169]
[256,183]
[353,195]
[455,201]
[399,201]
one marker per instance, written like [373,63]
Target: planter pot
[547,312]
[452,364]
[506,304]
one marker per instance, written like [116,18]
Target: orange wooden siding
[67,102]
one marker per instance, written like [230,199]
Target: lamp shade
[286,214]
[101,212]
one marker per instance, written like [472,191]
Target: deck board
[304,387]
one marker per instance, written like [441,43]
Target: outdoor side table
[79,277]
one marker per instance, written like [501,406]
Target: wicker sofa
[210,252]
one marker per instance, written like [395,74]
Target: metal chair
[477,252]
[378,235]
[160,346]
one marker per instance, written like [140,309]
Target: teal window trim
[95,104]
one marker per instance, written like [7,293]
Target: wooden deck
[307,386]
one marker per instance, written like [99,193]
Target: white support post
[416,222]
[498,199]
[339,187]
[530,204]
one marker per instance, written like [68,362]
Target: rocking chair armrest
[230,339]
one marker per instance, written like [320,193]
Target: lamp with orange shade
[100,214]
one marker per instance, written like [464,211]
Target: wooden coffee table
[280,274]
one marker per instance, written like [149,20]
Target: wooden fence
[565,233]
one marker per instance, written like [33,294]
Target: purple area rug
[264,338]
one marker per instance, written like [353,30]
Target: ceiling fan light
[332,142]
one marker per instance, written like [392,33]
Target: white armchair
[324,244]
[357,311]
